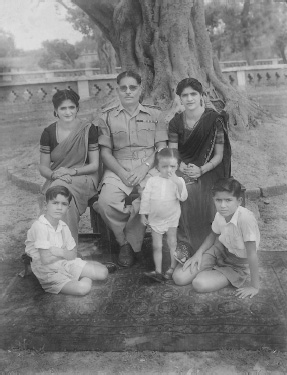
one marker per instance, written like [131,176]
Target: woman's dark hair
[67,94]
[53,191]
[166,153]
[129,73]
[189,82]
[229,185]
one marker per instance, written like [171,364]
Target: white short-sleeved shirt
[42,235]
[242,227]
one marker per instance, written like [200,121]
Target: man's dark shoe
[126,256]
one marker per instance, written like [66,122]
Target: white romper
[160,201]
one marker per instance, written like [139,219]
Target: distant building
[26,62]
[88,59]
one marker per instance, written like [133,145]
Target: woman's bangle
[52,176]
[212,164]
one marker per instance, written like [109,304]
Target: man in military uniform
[129,135]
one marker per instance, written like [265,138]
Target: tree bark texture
[166,41]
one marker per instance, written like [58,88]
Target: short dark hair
[67,94]
[189,82]
[166,153]
[129,73]
[229,185]
[53,191]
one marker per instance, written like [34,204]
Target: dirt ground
[259,160]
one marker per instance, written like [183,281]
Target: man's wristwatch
[76,170]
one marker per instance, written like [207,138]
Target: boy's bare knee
[102,273]
[84,288]
[178,279]
[198,285]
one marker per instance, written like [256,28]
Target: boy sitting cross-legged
[53,250]
[229,252]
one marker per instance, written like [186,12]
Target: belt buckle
[135,155]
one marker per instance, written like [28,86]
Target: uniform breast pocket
[120,137]
[146,133]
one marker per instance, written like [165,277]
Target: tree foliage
[246,24]
[94,37]
[7,44]
[58,52]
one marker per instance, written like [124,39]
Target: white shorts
[53,277]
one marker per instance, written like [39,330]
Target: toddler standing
[53,250]
[160,208]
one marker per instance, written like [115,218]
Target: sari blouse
[179,135]
[49,142]
[197,146]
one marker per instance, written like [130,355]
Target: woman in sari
[69,155]
[200,134]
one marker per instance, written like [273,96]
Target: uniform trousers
[123,220]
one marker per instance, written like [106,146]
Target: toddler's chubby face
[167,167]
[226,203]
[57,207]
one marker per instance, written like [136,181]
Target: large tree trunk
[107,56]
[166,41]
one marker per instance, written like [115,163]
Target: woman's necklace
[62,133]
[188,123]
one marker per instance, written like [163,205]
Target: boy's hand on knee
[193,262]
[247,291]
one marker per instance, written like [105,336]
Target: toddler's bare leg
[172,242]
[157,250]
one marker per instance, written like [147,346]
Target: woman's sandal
[168,274]
[157,276]
[112,267]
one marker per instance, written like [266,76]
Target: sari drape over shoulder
[198,210]
[72,153]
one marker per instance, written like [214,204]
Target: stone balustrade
[257,75]
[16,77]
[39,87]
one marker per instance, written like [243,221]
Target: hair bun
[67,94]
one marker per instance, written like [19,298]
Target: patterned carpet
[130,312]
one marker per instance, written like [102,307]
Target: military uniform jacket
[132,139]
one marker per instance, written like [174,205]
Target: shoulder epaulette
[152,106]
[109,109]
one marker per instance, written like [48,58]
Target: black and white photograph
[143,187]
